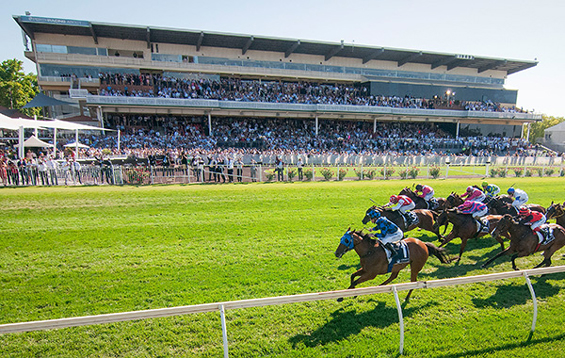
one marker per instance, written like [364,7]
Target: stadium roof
[32,25]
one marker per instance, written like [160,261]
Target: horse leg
[393,275]
[546,262]
[351,284]
[513,258]
[452,235]
[501,253]
[364,276]
[461,249]
[415,268]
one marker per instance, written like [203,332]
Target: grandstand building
[72,54]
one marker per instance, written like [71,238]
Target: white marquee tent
[21,123]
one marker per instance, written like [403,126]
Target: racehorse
[524,242]
[502,207]
[464,227]
[374,259]
[419,202]
[557,212]
[452,201]
[426,219]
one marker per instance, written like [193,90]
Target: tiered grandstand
[131,74]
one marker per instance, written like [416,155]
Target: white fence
[223,306]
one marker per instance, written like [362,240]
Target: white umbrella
[77,145]
[33,141]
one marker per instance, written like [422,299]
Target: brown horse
[426,219]
[557,212]
[419,202]
[464,227]
[374,260]
[501,207]
[524,242]
[453,200]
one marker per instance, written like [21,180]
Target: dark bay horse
[453,200]
[464,227]
[374,260]
[502,206]
[426,219]
[557,212]
[524,242]
[420,203]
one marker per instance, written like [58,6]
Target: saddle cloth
[545,235]
[433,204]
[402,254]
[483,226]
[410,218]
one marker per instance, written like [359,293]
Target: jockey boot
[393,252]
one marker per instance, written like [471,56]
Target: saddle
[545,235]
[402,256]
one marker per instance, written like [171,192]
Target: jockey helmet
[373,214]
[485,184]
[524,211]
[419,187]
[393,198]
[469,188]
[510,190]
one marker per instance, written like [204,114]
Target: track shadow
[347,267]
[516,294]
[343,324]
[509,346]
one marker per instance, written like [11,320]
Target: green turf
[69,252]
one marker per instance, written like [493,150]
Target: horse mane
[365,236]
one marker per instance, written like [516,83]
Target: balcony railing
[310,108]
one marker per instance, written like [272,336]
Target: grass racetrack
[77,251]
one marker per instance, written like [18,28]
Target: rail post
[535,301]
[224,330]
[400,320]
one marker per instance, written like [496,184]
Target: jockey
[534,219]
[474,194]
[401,203]
[490,189]
[520,197]
[389,232]
[475,208]
[427,192]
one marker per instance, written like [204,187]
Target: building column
[316,126]
[99,116]
[210,124]
[528,134]
[457,130]
[374,125]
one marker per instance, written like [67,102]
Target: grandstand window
[81,50]
[166,58]
[497,82]
[51,48]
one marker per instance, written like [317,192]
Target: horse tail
[437,252]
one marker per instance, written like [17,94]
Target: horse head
[554,211]
[349,240]
[503,225]
[367,218]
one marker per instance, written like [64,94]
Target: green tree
[537,128]
[16,87]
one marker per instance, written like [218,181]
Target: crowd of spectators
[301,92]
[142,135]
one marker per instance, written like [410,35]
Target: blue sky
[512,29]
